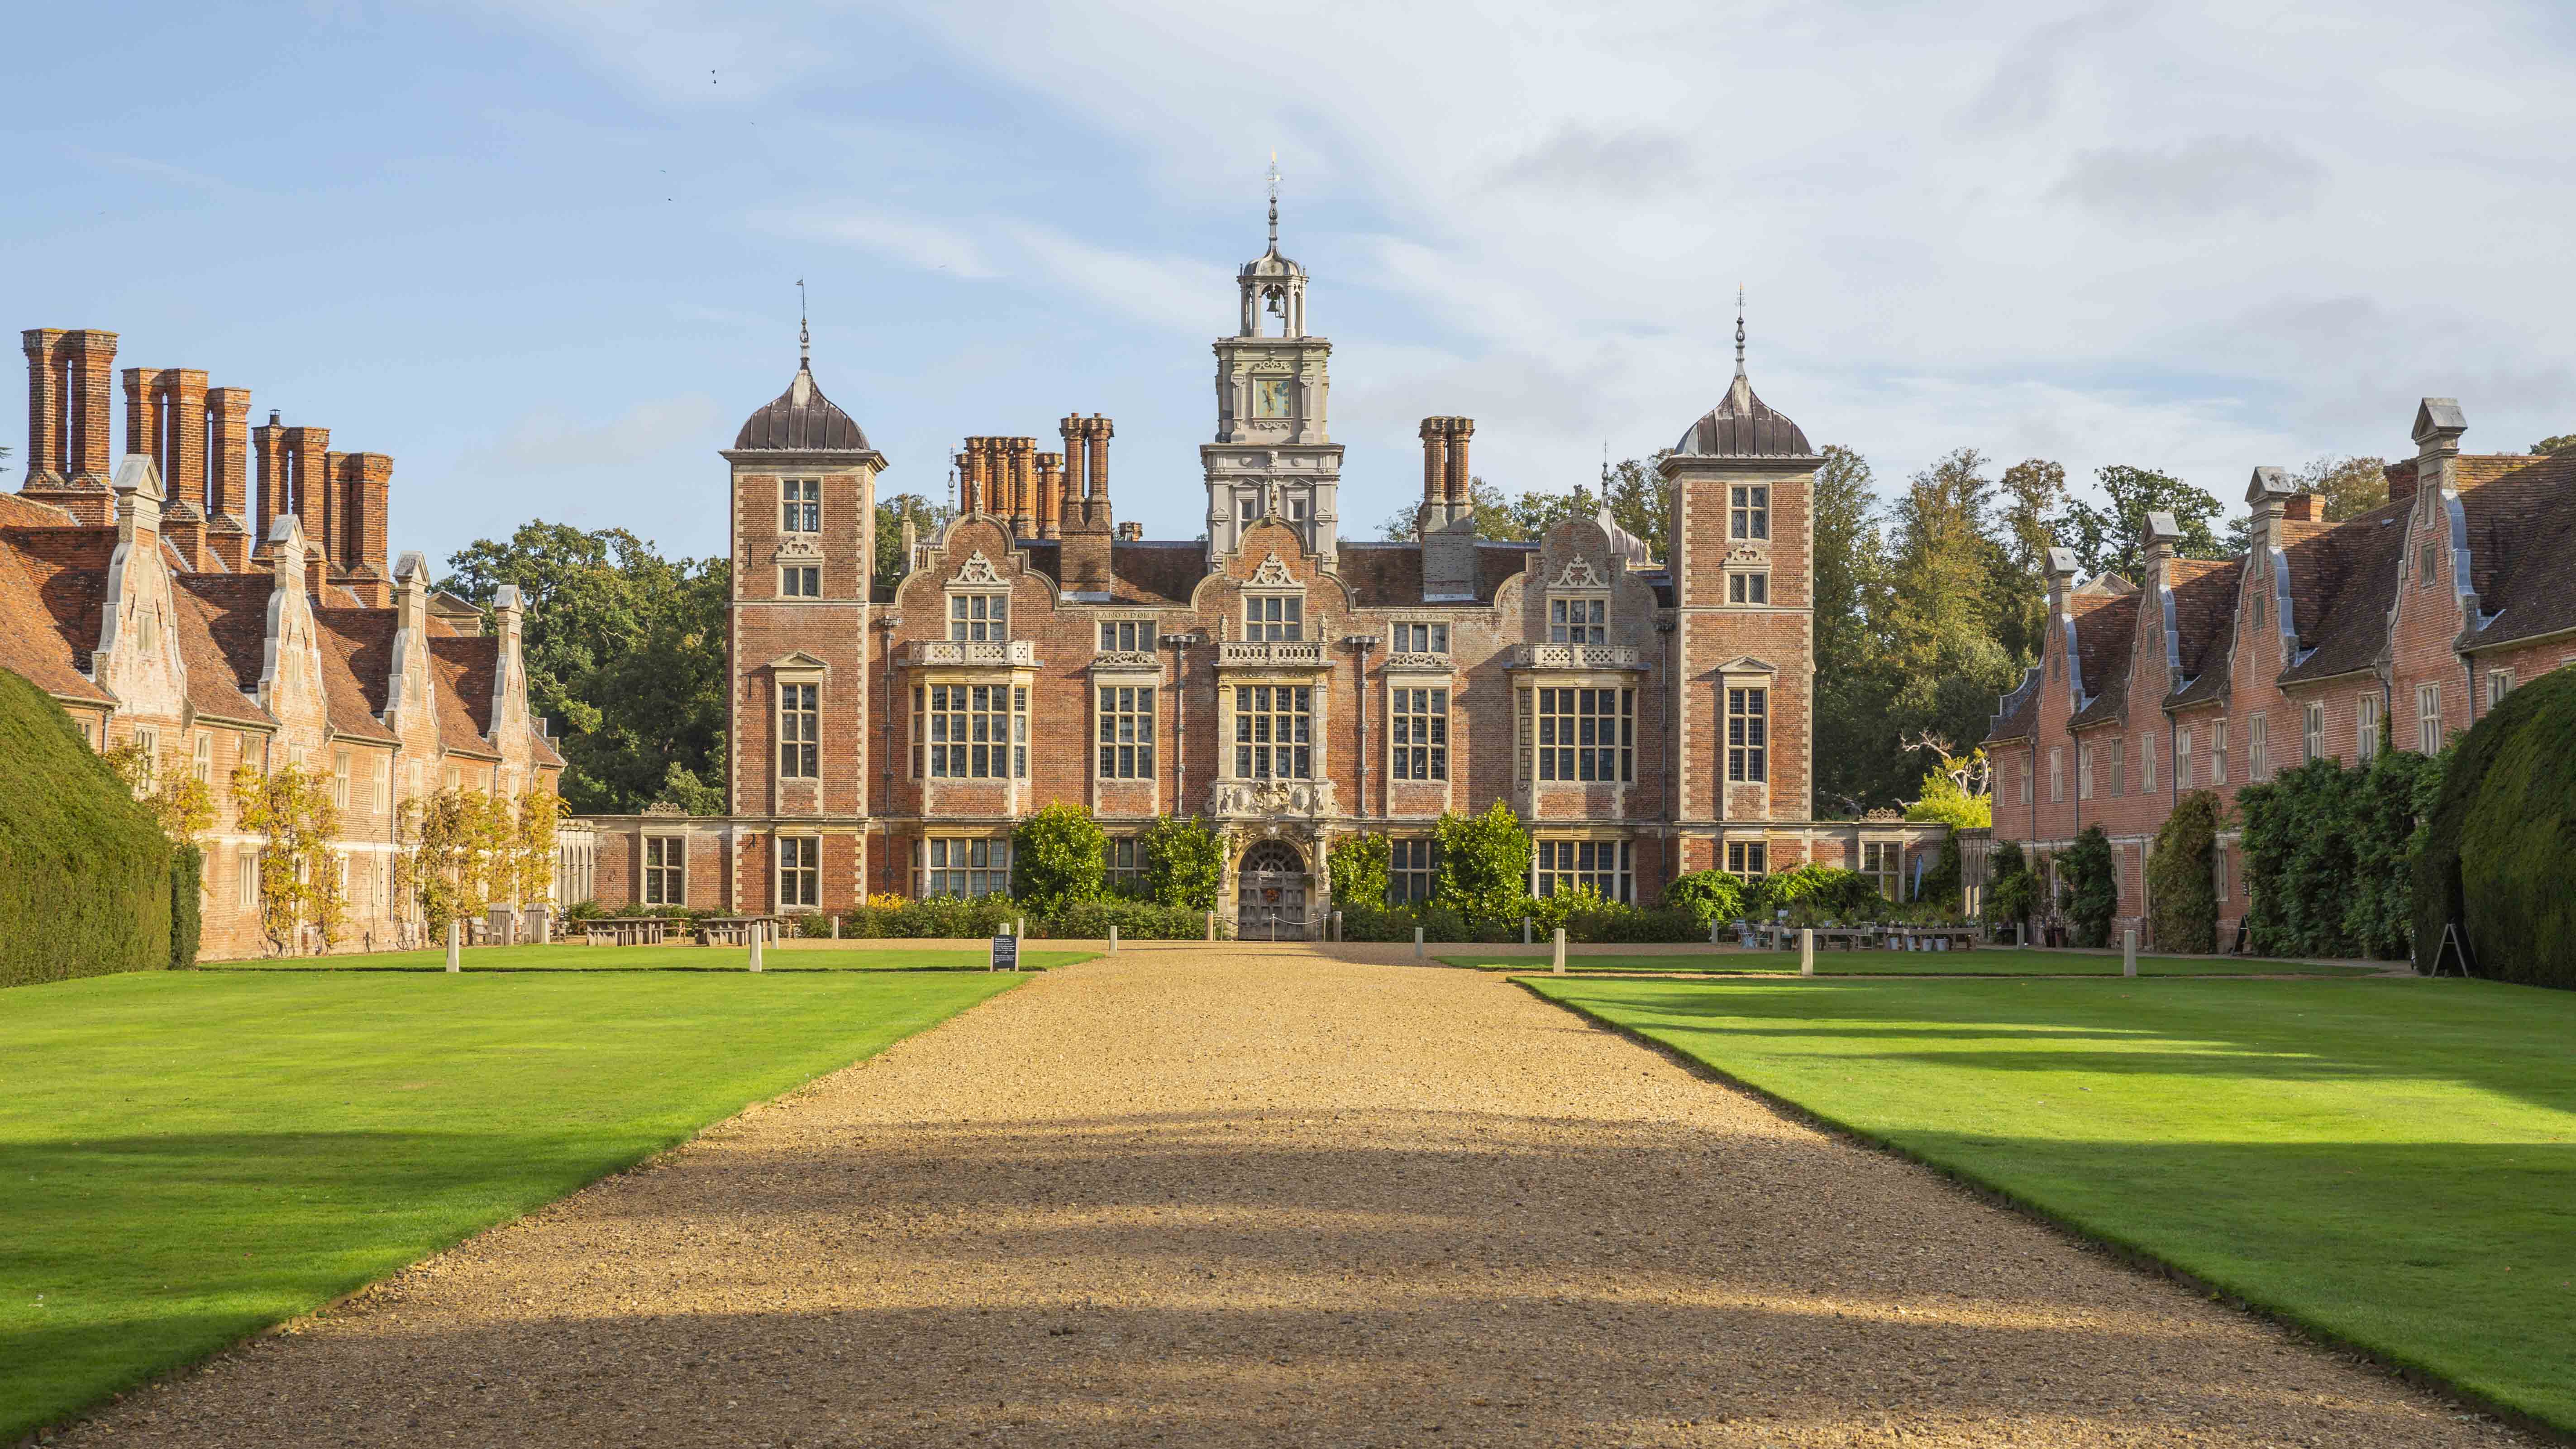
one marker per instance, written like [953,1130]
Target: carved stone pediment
[978,570]
[801,549]
[1276,799]
[1580,574]
[1127,660]
[1747,553]
[1274,574]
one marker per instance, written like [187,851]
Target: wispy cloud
[548,443]
[930,246]
[2210,176]
[1189,294]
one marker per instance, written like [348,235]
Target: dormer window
[1750,513]
[1578,621]
[1274,617]
[801,505]
[979,618]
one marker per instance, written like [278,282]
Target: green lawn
[1987,961]
[659,958]
[2392,1162]
[188,1157]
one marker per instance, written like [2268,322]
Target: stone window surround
[810,852]
[675,866]
[794,669]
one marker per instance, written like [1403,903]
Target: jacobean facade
[165,605]
[1644,716]
[2392,630]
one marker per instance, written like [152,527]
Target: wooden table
[736,930]
[635,931]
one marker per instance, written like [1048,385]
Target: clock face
[1270,397]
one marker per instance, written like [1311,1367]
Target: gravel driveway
[1217,1197]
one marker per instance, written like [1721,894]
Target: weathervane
[1739,329]
[1274,201]
[804,334]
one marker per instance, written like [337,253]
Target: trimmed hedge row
[2182,884]
[2329,856]
[87,886]
[2499,847]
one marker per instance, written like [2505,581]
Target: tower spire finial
[1739,329]
[804,334]
[1274,201]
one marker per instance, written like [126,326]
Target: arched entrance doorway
[1270,904]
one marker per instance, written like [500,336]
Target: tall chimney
[228,535]
[183,409]
[1024,486]
[93,405]
[1435,460]
[976,480]
[275,498]
[1460,430]
[1097,431]
[364,484]
[143,416]
[48,406]
[1077,484]
[1050,468]
[308,454]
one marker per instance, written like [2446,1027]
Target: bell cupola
[1272,448]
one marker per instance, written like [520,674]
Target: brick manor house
[2393,630]
[166,603]
[1644,716]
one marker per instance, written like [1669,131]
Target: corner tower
[1742,563]
[804,552]
[1272,453]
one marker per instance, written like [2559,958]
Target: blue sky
[544,253]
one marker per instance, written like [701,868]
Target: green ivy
[1359,864]
[2182,889]
[2330,853]
[2090,891]
[1059,857]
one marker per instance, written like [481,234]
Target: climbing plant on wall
[2088,890]
[1360,865]
[299,873]
[180,802]
[2182,889]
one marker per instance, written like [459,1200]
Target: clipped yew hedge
[2182,886]
[2499,849]
[85,875]
[2090,890]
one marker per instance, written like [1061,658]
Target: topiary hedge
[2498,850]
[85,877]
[2182,886]
[187,915]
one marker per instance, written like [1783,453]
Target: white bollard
[1417,943]
[757,932]
[1525,930]
[836,927]
[1560,950]
[1712,930]
[455,946]
[1337,927]
[2021,933]
[2129,952]
[1807,951]
[1211,925]
[1113,938]
[1020,928]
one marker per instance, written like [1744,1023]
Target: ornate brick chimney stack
[1021,456]
[1050,495]
[228,527]
[70,409]
[363,483]
[308,456]
[1087,530]
[276,497]
[1448,518]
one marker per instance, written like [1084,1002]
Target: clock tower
[1272,453]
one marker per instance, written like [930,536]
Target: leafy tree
[2563,443]
[1956,794]
[1183,863]
[1854,736]
[1709,895]
[2352,486]
[1484,864]
[2112,538]
[926,517]
[2012,890]
[1059,858]
[2182,887]
[1502,517]
[1360,865]
[1642,502]
[1946,662]
[2088,891]
[2034,505]
[626,649]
